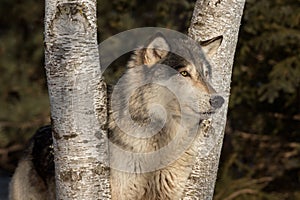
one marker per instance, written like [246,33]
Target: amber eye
[184,73]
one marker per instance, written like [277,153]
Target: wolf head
[183,72]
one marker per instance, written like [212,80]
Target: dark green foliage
[23,96]
[121,15]
[260,158]
[266,76]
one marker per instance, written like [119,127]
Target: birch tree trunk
[78,100]
[212,18]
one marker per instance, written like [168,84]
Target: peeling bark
[78,100]
[212,18]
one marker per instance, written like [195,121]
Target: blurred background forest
[261,153]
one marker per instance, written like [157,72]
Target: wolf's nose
[216,101]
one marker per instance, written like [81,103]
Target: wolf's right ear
[156,49]
[210,47]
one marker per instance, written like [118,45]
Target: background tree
[77,99]
[211,19]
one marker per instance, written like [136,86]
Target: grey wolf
[156,109]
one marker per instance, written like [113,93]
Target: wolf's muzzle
[216,101]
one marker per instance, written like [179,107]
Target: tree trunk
[78,100]
[212,18]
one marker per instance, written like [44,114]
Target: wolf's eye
[184,73]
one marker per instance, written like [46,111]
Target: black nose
[216,101]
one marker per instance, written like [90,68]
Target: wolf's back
[34,176]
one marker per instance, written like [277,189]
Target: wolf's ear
[156,49]
[211,46]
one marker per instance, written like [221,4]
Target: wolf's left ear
[156,49]
[210,47]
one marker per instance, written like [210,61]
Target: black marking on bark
[67,137]
[218,2]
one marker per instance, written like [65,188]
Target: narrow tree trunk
[212,18]
[78,100]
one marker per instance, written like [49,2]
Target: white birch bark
[78,100]
[212,18]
